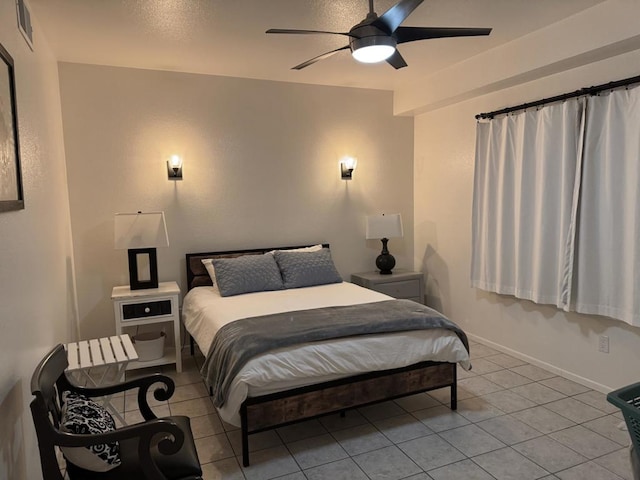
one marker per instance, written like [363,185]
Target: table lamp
[384,227]
[141,233]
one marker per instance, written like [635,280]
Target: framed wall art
[11,197]
[24,22]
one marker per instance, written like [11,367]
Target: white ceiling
[226,37]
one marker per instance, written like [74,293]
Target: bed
[302,381]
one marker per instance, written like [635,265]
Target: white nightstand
[150,306]
[400,284]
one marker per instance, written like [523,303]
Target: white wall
[444,162]
[260,169]
[36,287]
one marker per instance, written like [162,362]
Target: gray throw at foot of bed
[238,342]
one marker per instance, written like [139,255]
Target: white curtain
[526,187]
[608,247]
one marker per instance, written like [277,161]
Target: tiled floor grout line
[290,452]
[600,430]
[470,457]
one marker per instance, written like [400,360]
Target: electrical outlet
[603,344]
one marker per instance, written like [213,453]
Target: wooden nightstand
[400,284]
[146,307]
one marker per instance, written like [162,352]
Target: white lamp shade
[140,230]
[349,162]
[175,161]
[384,226]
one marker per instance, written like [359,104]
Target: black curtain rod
[558,98]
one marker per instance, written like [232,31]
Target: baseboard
[539,363]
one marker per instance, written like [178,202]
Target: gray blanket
[238,342]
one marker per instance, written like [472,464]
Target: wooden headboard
[197,275]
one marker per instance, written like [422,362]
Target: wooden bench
[112,353]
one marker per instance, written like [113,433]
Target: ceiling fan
[375,38]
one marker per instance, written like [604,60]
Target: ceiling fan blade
[410,34]
[396,60]
[392,18]
[319,57]
[303,32]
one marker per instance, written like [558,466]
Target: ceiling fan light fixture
[374,39]
[373,49]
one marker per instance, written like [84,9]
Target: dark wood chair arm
[162,392]
[168,435]
[167,440]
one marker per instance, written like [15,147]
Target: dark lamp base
[385,261]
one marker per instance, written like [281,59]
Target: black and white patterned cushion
[83,416]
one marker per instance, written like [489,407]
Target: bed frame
[283,408]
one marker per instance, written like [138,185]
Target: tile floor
[514,421]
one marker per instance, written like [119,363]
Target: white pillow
[208,264]
[312,248]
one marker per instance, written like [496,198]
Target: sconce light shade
[174,167]
[384,227]
[347,166]
[140,233]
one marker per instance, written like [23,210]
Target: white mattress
[204,312]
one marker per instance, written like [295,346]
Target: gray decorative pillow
[305,269]
[83,416]
[246,274]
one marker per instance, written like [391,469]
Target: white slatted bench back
[113,350]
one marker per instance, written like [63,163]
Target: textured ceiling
[226,37]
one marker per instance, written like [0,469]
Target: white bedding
[205,311]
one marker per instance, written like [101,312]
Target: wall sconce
[174,167]
[347,166]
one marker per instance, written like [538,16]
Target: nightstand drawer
[147,309]
[404,289]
